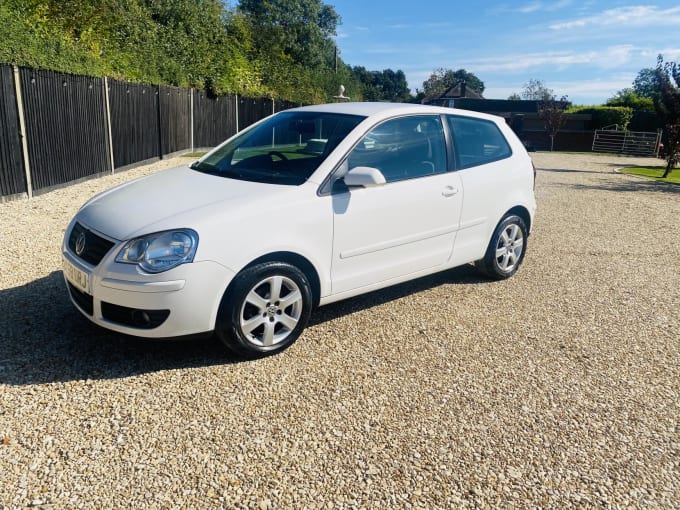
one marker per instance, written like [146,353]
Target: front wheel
[265,309]
[506,249]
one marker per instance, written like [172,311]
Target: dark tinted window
[477,141]
[403,148]
[285,149]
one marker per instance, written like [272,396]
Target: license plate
[77,277]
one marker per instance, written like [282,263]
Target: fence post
[191,123]
[236,99]
[273,106]
[22,132]
[160,125]
[108,120]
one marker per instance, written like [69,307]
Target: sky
[586,50]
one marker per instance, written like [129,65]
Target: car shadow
[43,339]
[617,183]
[570,171]
[466,274]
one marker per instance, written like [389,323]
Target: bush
[603,116]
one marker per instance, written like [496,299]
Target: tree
[514,97]
[535,90]
[298,30]
[629,98]
[645,83]
[552,111]
[667,105]
[386,85]
[394,85]
[443,79]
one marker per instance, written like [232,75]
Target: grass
[194,154]
[654,172]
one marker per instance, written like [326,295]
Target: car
[304,208]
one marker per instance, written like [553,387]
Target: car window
[285,149]
[477,141]
[403,148]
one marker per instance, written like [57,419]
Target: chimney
[462,88]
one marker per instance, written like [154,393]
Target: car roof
[384,110]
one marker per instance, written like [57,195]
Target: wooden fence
[58,128]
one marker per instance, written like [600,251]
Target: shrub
[604,116]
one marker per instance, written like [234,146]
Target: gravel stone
[559,387]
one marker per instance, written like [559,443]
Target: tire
[506,249]
[265,309]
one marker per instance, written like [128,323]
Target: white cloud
[578,92]
[632,16]
[606,58]
[670,54]
[533,7]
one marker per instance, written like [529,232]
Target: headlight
[161,251]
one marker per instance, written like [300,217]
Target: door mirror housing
[365,177]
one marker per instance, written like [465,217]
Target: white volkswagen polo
[306,207]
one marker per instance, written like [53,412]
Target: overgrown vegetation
[276,48]
[603,116]
[443,79]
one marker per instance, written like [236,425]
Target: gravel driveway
[557,388]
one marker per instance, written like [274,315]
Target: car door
[489,180]
[406,225]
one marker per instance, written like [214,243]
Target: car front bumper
[120,297]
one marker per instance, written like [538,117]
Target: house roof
[458,91]
[461,90]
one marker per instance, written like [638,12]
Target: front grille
[94,248]
[82,299]
[134,317]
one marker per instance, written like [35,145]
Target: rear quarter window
[477,141]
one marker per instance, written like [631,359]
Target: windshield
[285,149]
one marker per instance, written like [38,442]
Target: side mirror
[364,176]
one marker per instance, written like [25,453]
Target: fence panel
[214,119]
[12,174]
[175,119]
[250,110]
[66,129]
[134,122]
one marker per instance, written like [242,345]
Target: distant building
[449,97]
[522,115]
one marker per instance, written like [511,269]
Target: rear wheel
[265,310]
[506,249]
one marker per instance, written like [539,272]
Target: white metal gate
[635,143]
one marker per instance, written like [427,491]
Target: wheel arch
[520,211]
[294,259]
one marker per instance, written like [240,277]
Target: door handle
[449,191]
